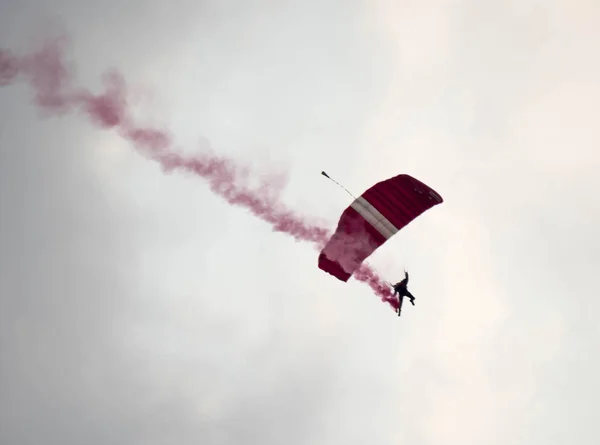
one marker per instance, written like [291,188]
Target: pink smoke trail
[45,71]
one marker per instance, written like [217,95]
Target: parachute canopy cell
[372,219]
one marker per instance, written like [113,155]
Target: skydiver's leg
[412,299]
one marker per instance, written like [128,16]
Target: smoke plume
[46,72]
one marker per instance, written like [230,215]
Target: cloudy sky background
[138,308]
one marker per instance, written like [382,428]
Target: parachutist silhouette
[401,288]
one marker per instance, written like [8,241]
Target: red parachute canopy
[372,219]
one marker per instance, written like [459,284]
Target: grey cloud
[137,308]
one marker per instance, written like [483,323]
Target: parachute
[372,219]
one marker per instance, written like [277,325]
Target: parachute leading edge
[372,219]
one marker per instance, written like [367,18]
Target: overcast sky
[139,308]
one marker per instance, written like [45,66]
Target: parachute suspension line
[345,189]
